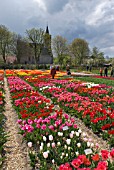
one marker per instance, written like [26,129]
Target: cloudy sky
[92,20]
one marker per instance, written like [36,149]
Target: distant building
[46,56]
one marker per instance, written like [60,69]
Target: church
[46,56]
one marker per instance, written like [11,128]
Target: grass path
[16,151]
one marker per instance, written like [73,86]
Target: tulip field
[47,110]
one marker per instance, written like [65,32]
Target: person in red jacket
[53,72]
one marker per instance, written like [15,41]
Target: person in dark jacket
[53,72]
[112,72]
[106,71]
[68,70]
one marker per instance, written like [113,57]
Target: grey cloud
[54,6]
[88,19]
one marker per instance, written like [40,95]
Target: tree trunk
[4,58]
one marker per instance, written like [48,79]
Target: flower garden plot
[27,102]
[42,132]
[3,137]
[92,103]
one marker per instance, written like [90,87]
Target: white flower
[92,144]
[80,131]
[61,157]
[71,135]
[41,148]
[69,148]
[68,141]
[58,143]
[78,145]
[53,145]
[48,145]
[50,137]
[42,144]
[72,132]
[77,153]
[88,144]
[53,161]
[60,133]
[65,146]
[44,138]
[63,154]
[45,154]
[29,144]
[77,134]
[66,154]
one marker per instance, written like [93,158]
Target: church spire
[47,30]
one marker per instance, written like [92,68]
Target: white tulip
[42,144]
[88,144]
[58,143]
[80,131]
[63,154]
[69,148]
[65,146]
[44,138]
[71,135]
[77,153]
[68,141]
[48,145]
[72,132]
[66,154]
[92,144]
[45,154]
[53,161]
[78,145]
[50,137]
[53,145]
[41,148]
[61,157]
[29,144]
[77,134]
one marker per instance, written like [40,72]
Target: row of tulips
[3,137]
[58,142]
[93,103]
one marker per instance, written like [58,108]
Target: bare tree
[36,41]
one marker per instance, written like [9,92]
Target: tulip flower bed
[93,103]
[55,141]
[27,102]
[2,119]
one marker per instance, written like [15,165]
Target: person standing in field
[101,71]
[53,72]
[68,70]
[112,72]
[106,71]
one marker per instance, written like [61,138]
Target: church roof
[47,30]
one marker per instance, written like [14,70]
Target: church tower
[47,40]
[46,56]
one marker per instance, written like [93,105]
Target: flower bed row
[3,137]
[56,138]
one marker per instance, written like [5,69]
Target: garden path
[16,150]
